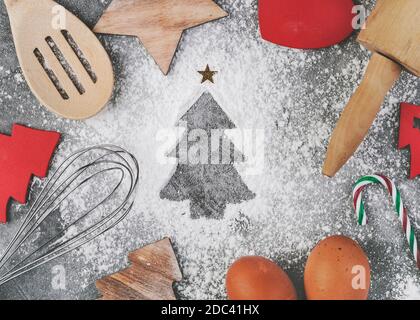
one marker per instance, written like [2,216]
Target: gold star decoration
[158,24]
[207,75]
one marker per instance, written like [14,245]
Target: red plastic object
[25,153]
[410,136]
[306,24]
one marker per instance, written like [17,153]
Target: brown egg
[257,278]
[337,269]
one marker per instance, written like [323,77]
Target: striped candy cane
[398,204]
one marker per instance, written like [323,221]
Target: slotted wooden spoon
[63,62]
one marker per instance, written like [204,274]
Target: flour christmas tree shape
[152,272]
[25,153]
[410,135]
[158,24]
[205,174]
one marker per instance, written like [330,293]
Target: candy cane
[398,204]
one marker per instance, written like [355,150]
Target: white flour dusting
[295,96]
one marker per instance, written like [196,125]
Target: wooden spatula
[65,66]
[393,34]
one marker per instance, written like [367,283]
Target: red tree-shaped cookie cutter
[25,153]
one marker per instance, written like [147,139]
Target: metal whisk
[95,186]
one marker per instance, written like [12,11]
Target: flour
[411,290]
[295,97]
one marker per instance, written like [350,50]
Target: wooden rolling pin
[392,33]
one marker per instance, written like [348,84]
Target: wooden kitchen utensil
[63,62]
[153,270]
[393,34]
[158,24]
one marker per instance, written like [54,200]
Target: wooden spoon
[63,62]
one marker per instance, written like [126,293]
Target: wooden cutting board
[150,276]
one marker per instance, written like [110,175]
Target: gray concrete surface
[293,96]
